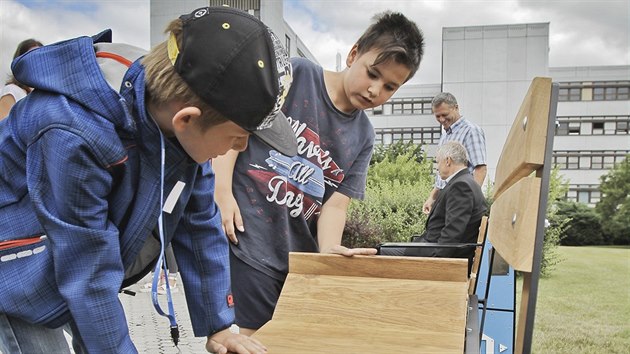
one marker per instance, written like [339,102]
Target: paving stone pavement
[150,332]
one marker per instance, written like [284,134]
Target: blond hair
[164,84]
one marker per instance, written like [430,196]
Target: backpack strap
[114,59]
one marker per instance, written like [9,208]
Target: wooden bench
[380,304]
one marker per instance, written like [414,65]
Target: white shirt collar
[449,178]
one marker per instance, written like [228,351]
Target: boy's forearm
[332,221]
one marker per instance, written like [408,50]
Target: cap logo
[201,13]
[284,80]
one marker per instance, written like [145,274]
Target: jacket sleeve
[69,188]
[202,255]
[459,206]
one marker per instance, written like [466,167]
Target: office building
[488,69]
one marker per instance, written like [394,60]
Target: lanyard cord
[161,265]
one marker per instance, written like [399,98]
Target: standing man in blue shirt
[457,128]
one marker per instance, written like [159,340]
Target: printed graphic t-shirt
[280,198]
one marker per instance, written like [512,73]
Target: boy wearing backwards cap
[106,163]
[278,204]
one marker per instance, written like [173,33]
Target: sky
[582,32]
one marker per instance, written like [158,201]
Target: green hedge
[392,210]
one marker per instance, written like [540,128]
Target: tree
[614,206]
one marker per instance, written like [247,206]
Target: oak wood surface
[524,148]
[512,226]
[357,309]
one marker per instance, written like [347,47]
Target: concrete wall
[489,69]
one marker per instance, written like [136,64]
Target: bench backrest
[517,216]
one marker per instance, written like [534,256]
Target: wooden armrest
[427,245]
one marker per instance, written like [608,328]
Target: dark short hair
[397,37]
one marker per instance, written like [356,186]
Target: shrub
[396,189]
[558,187]
[583,227]
[392,151]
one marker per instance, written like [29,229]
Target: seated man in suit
[457,211]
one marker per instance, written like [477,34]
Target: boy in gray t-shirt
[279,204]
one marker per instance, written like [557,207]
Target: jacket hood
[70,68]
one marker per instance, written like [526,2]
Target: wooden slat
[336,304]
[363,313]
[284,337]
[524,148]
[474,270]
[334,298]
[512,227]
[424,268]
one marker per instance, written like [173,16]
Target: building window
[570,94]
[562,128]
[377,111]
[593,125]
[595,91]
[420,135]
[611,90]
[597,162]
[598,128]
[588,160]
[405,106]
[570,91]
[584,193]
[574,128]
[583,197]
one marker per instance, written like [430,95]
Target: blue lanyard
[161,265]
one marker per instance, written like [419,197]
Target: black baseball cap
[237,65]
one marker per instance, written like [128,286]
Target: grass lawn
[584,306]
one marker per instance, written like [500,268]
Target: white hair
[455,150]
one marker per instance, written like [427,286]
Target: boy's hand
[225,341]
[230,216]
[349,252]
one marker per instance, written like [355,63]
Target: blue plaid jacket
[80,164]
